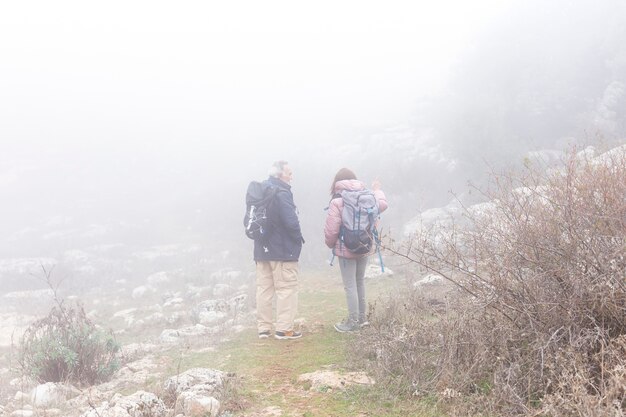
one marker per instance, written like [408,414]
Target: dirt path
[268,369]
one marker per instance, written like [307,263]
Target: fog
[131,126]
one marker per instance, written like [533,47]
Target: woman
[352,265]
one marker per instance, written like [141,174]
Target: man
[276,260]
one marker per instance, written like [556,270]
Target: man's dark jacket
[284,242]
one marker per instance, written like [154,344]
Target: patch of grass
[268,369]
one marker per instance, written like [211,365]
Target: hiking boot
[363,322]
[347,326]
[264,335]
[287,335]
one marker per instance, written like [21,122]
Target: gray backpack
[360,212]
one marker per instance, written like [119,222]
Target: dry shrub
[539,323]
[401,342]
[65,346]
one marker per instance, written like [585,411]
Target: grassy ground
[267,370]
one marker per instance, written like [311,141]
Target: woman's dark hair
[342,174]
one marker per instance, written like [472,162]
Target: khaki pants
[276,279]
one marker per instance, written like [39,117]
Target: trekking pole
[380,256]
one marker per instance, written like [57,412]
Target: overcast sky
[144,120]
[120,105]
[164,72]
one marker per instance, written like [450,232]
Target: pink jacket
[333,218]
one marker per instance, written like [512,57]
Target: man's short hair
[277,168]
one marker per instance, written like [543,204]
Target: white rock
[125,313]
[143,364]
[139,291]
[26,265]
[156,318]
[221,290]
[196,405]
[430,279]
[158,278]
[22,413]
[238,328]
[173,301]
[52,394]
[175,317]
[16,382]
[374,270]
[238,303]
[233,274]
[210,317]
[169,336]
[128,315]
[199,380]
[134,351]
[12,326]
[331,379]
[139,404]
[211,311]
[21,397]
[176,335]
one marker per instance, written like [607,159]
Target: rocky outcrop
[139,404]
[195,391]
[322,380]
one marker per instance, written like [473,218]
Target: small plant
[66,346]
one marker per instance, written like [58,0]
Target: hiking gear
[347,326]
[259,201]
[264,335]
[333,225]
[358,218]
[288,335]
[283,241]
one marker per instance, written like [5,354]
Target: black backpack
[259,201]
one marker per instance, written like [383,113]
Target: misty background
[130,130]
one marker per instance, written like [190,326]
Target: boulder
[193,404]
[373,270]
[199,380]
[139,404]
[52,394]
[22,413]
[329,379]
[430,279]
[158,278]
[210,312]
[139,291]
[178,335]
[221,290]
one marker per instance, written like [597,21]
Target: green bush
[66,346]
